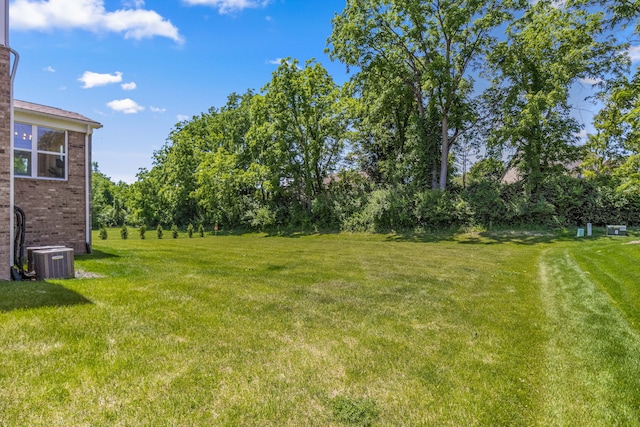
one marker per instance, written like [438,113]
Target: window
[39,152]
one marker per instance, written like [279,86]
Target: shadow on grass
[300,233]
[28,295]
[518,237]
[490,237]
[95,254]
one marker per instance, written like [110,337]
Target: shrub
[436,209]
[124,232]
[385,209]
[201,230]
[609,205]
[190,230]
[484,200]
[260,218]
[103,233]
[159,231]
[174,231]
[142,230]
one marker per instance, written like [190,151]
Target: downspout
[14,69]
[87,202]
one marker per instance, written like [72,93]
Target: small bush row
[142,229]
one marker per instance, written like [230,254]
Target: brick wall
[5,164]
[56,210]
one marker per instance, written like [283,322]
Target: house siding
[5,163]
[55,210]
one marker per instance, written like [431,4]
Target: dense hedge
[355,204]
[563,201]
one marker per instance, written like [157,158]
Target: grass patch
[359,412]
[251,329]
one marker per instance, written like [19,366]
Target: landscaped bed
[335,329]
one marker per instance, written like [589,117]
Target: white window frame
[34,151]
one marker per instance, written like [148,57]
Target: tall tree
[615,147]
[428,45]
[304,125]
[173,182]
[231,174]
[548,49]
[385,134]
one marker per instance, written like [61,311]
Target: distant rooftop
[54,112]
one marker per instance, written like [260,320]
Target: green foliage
[357,412]
[401,208]
[346,194]
[142,231]
[306,127]
[615,148]
[385,210]
[174,231]
[221,183]
[546,51]
[108,200]
[260,218]
[419,53]
[437,210]
[103,233]
[486,202]
[609,205]
[124,232]
[486,170]
[159,231]
[190,230]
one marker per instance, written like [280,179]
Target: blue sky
[140,67]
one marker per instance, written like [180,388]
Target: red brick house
[45,167]
[6,182]
[52,174]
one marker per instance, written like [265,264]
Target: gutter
[57,117]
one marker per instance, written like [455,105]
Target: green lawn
[329,330]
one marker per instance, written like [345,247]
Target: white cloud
[590,81]
[49,69]
[133,3]
[91,15]
[126,106]
[634,53]
[276,61]
[91,79]
[157,109]
[140,24]
[182,117]
[129,86]
[228,6]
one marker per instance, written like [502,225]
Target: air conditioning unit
[32,249]
[54,263]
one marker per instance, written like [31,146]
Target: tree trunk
[444,159]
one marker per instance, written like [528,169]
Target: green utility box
[616,230]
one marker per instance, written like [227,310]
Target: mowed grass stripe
[614,265]
[592,368]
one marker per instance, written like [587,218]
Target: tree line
[446,98]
